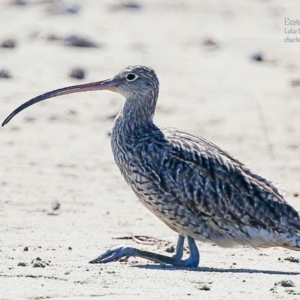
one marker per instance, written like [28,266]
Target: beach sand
[59,150]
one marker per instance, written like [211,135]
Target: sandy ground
[59,150]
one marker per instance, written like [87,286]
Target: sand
[59,150]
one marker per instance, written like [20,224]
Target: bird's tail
[288,240]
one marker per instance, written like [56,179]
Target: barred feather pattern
[195,187]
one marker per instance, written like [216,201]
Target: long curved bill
[109,84]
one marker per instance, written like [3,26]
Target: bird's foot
[115,254]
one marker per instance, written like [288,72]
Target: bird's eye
[131,77]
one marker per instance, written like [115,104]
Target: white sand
[220,94]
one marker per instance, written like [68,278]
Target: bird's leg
[117,253]
[179,248]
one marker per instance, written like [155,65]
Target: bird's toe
[114,254]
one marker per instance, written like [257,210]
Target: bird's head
[136,82]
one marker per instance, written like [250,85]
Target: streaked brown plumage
[193,186]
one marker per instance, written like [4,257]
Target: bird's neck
[137,111]
[133,121]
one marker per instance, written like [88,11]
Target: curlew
[193,186]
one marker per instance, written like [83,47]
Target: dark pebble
[211,43]
[8,43]
[170,249]
[257,56]
[25,249]
[5,74]
[287,283]
[77,73]
[37,263]
[73,8]
[204,288]
[129,5]
[295,82]
[79,41]
[55,205]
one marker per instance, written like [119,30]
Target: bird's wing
[206,180]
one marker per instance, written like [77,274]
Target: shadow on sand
[215,270]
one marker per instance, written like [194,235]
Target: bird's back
[198,189]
